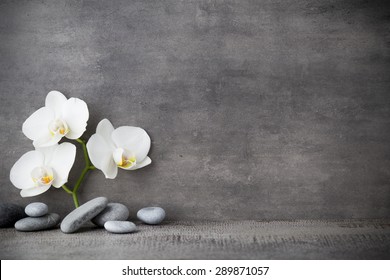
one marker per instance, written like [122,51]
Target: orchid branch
[88,166]
[110,148]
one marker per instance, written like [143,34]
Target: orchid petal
[144,163]
[34,191]
[75,113]
[20,174]
[55,100]
[100,154]
[134,139]
[61,161]
[36,126]
[109,168]
[47,140]
[118,156]
[105,129]
[47,152]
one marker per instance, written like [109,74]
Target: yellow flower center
[58,126]
[127,162]
[124,158]
[46,180]
[42,176]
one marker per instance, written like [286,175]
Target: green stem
[87,161]
[81,178]
[66,189]
[75,200]
[88,166]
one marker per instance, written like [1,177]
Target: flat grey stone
[79,216]
[151,215]
[113,212]
[9,214]
[120,226]
[36,209]
[38,223]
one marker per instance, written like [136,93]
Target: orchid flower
[126,147]
[61,117]
[37,170]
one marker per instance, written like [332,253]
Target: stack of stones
[38,218]
[99,211]
[112,216]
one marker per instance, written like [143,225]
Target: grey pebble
[113,212]
[10,213]
[36,209]
[151,215]
[120,226]
[79,216]
[38,223]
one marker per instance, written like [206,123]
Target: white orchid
[60,117]
[126,147]
[37,170]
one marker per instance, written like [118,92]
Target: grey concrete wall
[256,109]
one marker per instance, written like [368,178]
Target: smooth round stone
[151,215]
[113,212]
[9,214]
[79,216]
[38,223]
[120,226]
[36,209]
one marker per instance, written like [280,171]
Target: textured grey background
[256,109]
